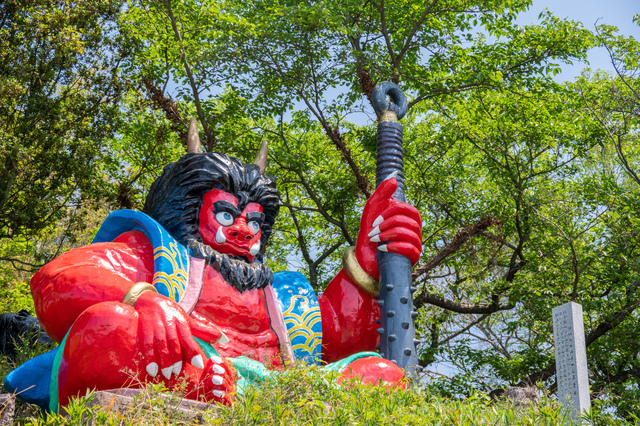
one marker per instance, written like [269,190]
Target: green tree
[528,192]
[613,102]
[59,91]
[281,55]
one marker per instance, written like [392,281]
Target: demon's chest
[284,315]
[227,307]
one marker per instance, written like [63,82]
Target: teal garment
[249,370]
[252,372]
[55,374]
[339,366]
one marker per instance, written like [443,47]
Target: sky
[611,12]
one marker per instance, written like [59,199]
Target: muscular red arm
[348,319]
[82,277]
[348,313]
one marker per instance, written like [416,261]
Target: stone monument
[571,359]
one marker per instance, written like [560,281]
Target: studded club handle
[397,329]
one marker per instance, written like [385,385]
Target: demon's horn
[193,140]
[261,157]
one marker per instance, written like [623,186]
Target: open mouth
[246,252]
[240,253]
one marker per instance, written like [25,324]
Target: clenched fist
[386,220]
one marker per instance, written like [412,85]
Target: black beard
[237,272]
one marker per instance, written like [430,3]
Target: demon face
[222,210]
[228,227]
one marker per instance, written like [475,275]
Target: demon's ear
[261,157]
[193,140]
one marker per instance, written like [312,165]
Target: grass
[306,396]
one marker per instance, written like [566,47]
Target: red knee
[374,370]
[101,351]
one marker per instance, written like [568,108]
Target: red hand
[166,335]
[388,220]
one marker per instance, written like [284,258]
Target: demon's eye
[224,218]
[253,226]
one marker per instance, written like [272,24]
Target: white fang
[220,238]
[254,249]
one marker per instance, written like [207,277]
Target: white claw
[176,368]
[217,369]
[166,372]
[217,380]
[196,361]
[254,249]
[375,239]
[378,221]
[220,238]
[375,231]
[391,175]
[216,359]
[218,393]
[383,248]
[152,369]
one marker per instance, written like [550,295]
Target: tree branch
[13,262]
[461,308]
[458,241]
[196,97]
[170,109]
[465,329]
[414,30]
[385,33]
[616,318]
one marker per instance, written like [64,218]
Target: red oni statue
[179,294]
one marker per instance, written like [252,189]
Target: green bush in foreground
[307,396]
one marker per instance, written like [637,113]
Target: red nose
[239,233]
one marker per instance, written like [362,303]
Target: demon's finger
[397,221]
[207,332]
[148,347]
[174,346]
[405,249]
[386,188]
[398,234]
[190,348]
[162,351]
[403,209]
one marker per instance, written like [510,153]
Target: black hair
[175,198]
